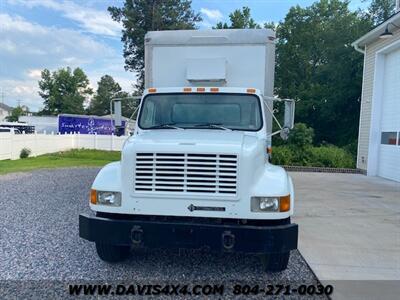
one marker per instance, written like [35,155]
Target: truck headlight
[270,204]
[105,198]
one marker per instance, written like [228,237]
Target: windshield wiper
[166,126]
[213,125]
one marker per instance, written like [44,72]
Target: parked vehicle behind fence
[18,127]
[9,130]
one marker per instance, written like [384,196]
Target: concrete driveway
[349,225]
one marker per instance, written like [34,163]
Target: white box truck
[196,172]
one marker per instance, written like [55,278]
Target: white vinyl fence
[12,144]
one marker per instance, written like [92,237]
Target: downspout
[362,51]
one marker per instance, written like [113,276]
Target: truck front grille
[186,172]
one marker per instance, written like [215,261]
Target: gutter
[375,32]
[358,49]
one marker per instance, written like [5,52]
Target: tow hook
[137,235]
[228,240]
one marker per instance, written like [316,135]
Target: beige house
[379,133]
[5,111]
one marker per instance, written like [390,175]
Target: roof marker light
[201,89]
[187,89]
[251,91]
[152,90]
[214,90]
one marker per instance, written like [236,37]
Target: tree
[239,19]
[15,114]
[317,65]
[140,16]
[381,10]
[270,25]
[107,88]
[64,91]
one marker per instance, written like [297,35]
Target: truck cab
[196,172]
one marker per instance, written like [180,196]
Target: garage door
[389,152]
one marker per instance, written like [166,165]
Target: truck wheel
[275,262]
[112,253]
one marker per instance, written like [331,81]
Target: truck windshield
[201,111]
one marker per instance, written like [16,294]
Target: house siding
[367,95]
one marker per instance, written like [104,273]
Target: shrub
[332,157]
[309,156]
[282,155]
[352,148]
[25,152]
[301,135]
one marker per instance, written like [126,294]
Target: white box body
[242,58]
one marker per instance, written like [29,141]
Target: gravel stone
[39,242]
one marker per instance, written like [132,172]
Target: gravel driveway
[39,241]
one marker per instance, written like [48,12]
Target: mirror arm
[134,112]
[281,129]
[270,110]
[274,133]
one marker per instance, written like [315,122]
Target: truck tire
[112,253]
[275,262]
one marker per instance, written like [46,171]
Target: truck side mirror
[118,118]
[289,113]
[117,113]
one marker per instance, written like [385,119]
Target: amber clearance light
[284,203]
[93,196]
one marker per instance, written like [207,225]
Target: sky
[52,34]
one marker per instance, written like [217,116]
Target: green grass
[72,158]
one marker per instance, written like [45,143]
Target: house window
[389,138]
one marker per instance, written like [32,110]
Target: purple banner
[85,125]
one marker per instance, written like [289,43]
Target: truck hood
[191,137]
